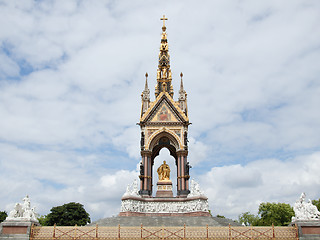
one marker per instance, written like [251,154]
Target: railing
[139,233]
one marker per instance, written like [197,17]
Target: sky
[71,77]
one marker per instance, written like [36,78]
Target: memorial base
[16,229]
[308,229]
[164,189]
[138,206]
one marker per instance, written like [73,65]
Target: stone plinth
[16,229]
[308,229]
[164,189]
[138,206]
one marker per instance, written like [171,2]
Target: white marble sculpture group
[132,190]
[305,210]
[195,189]
[23,212]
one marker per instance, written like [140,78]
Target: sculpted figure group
[23,211]
[195,189]
[305,210]
[132,190]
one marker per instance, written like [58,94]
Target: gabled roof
[164,109]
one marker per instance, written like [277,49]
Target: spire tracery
[164,75]
[145,96]
[182,97]
[164,79]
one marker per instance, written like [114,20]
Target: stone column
[149,175]
[178,174]
[145,162]
[182,173]
[182,178]
[146,178]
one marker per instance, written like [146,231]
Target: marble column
[146,178]
[182,178]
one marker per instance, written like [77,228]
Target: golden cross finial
[164,19]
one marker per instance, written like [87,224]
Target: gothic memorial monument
[164,124]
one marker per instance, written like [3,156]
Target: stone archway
[159,140]
[158,161]
[162,140]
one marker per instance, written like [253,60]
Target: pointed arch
[164,132]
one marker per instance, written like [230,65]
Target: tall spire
[181,83]
[146,84]
[145,97]
[182,97]
[164,72]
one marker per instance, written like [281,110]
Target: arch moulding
[164,132]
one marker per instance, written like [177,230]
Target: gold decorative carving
[151,131]
[170,133]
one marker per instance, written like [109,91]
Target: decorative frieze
[165,187]
[140,206]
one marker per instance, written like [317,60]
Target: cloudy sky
[71,75]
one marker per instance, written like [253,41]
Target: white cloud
[234,189]
[198,151]
[52,179]
[8,66]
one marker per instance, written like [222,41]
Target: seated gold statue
[164,172]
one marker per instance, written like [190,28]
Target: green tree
[69,214]
[43,220]
[279,214]
[220,216]
[248,219]
[3,215]
[316,203]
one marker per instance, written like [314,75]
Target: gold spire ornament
[164,75]
[164,19]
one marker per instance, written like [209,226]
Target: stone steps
[164,221]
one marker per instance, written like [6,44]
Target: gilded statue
[164,73]
[164,172]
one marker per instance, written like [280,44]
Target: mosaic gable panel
[164,114]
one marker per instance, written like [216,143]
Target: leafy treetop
[248,219]
[316,203]
[279,214]
[3,215]
[69,214]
